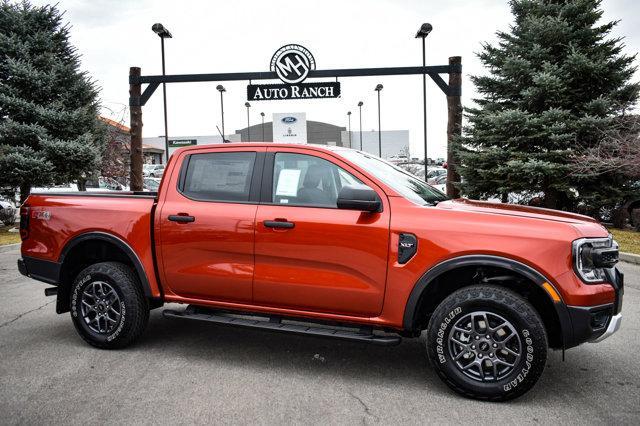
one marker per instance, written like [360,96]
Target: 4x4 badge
[42,214]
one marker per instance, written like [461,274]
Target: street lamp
[248,105]
[262,115]
[379,89]
[422,33]
[349,116]
[163,33]
[220,88]
[360,106]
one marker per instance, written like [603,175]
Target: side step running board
[364,335]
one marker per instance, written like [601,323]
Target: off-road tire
[132,304]
[526,325]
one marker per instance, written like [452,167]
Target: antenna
[222,136]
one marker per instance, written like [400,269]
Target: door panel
[329,260]
[212,256]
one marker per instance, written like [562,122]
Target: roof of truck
[331,148]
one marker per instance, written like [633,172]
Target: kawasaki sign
[179,143]
[292,64]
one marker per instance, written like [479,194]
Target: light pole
[379,89]
[163,33]
[360,106]
[349,116]
[248,105]
[220,88]
[262,115]
[422,33]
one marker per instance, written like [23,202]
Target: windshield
[404,183]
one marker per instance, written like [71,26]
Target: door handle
[181,218]
[278,224]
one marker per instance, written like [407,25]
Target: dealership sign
[292,64]
[270,92]
[290,127]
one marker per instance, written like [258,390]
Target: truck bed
[57,218]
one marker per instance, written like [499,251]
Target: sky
[212,36]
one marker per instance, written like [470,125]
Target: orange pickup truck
[329,242]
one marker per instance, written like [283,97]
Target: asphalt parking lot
[185,372]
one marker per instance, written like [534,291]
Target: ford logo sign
[289,120]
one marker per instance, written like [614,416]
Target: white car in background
[7,212]
[152,170]
[439,182]
[151,184]
[434,172]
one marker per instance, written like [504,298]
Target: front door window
[304,180]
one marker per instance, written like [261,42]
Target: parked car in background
[435,172]
[105,183]
[415,169]
[7,212]
[633,210]
[100,184]
[439,182]
[418,170]
[153,170]
[151,184]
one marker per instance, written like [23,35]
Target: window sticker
[288,183]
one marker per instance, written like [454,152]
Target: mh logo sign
[292,63]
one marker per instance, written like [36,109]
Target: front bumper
[614,325]
[596,323]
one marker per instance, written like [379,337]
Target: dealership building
[295,128]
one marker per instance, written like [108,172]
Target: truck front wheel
[487,342]
[108,307]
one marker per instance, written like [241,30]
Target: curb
[630,258]
[9,247]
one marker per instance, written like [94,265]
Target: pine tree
[48,107]
[555,83]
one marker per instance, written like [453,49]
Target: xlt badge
[407,247]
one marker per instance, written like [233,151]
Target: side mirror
[359,197]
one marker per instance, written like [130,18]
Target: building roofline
[114,123]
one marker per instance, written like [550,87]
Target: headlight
[591,256]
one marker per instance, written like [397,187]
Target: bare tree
[618,151]
[115,159]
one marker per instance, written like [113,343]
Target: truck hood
[463,204]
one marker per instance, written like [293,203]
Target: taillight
[24,222]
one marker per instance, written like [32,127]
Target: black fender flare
[484,260]
[121,244]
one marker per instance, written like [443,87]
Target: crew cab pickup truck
[329,242]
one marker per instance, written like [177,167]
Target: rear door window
[219,176]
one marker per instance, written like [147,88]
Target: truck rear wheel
[487,343]
[108,307]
